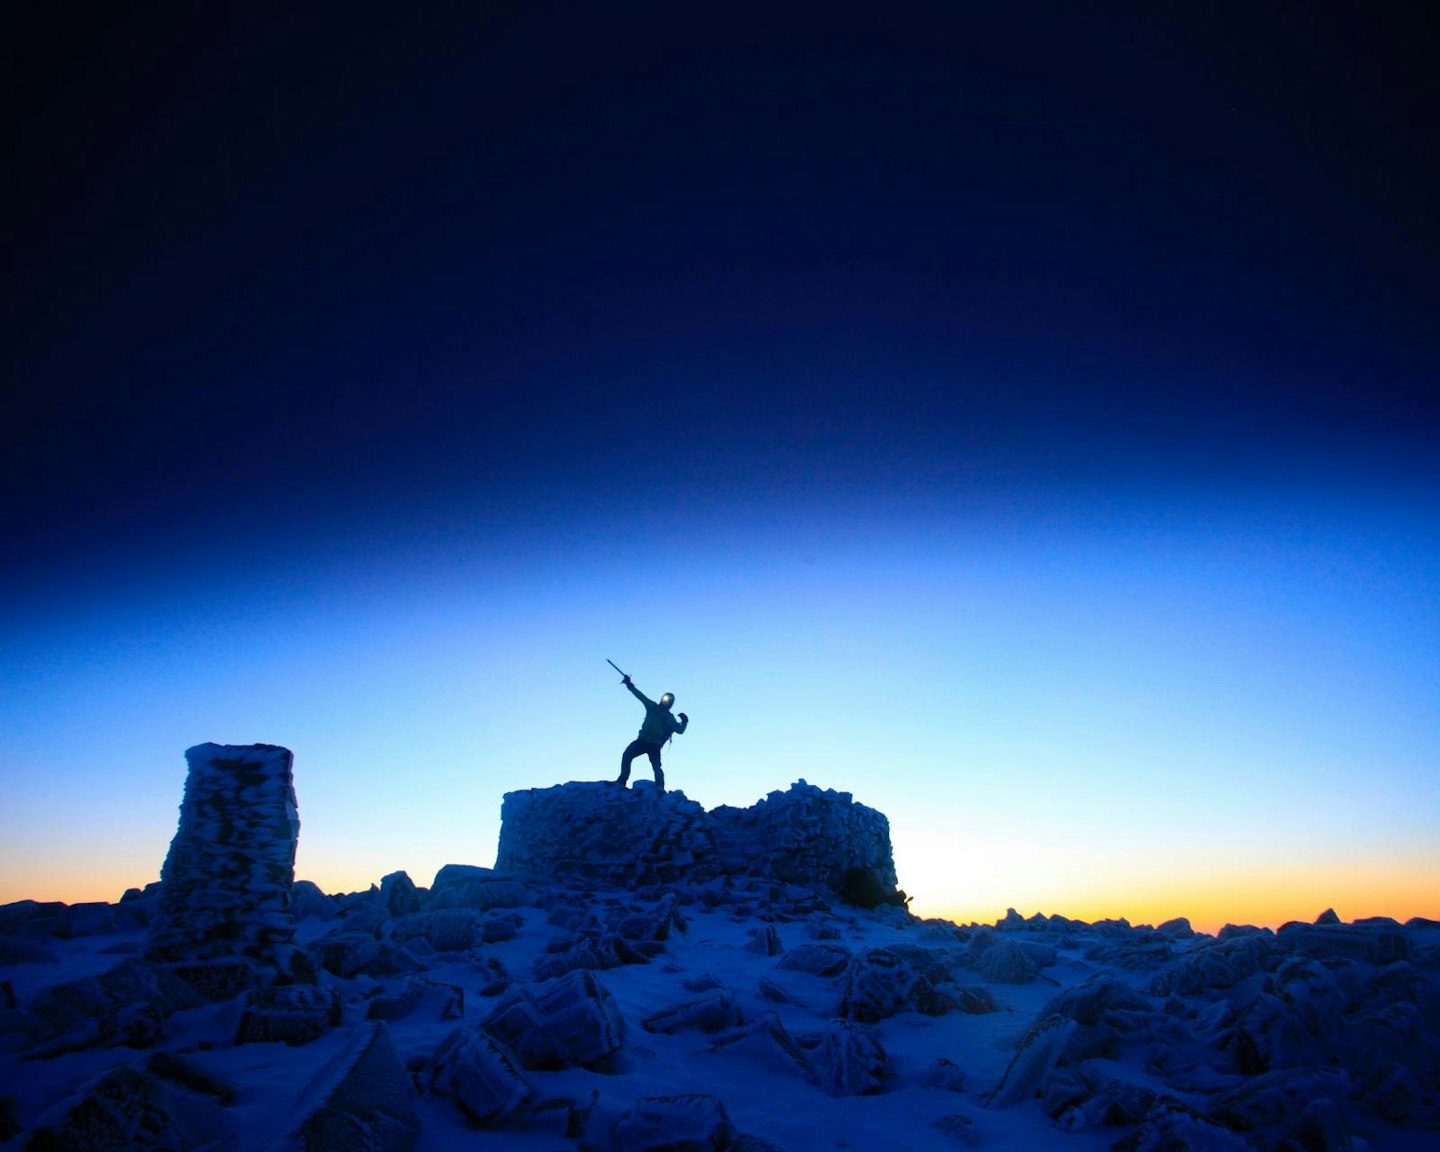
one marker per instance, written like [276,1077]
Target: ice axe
[616,667]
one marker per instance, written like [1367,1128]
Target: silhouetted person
[659,726]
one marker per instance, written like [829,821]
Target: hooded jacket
[660,724]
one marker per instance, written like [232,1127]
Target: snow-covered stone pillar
[228,875]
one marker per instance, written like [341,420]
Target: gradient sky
[1025,421]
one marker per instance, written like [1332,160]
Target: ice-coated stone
[420,997]
[1107,1012]
[688,1123]
[141,1111]
[879,983]
[766,1042]
[766,942]
[603,952]
[960,1128]
[572,1020]
[227,879]
[1115,1103]
[1321,1127]
[122,1006]
[849,1061]
[1265,1033]
[480,889]
[945,1074]
[1224,962]
[1033,1062]
[480,1074]
[292,1013]
[1331,940]
[361,1100]
[347,954]
[1275,1100]
[713,1012]
[1174,1129]
[306,901]
[445,929]
[822,959]
[1007,963]
[398,894]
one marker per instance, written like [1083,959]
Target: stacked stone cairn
[224,920]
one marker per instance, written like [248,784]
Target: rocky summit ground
[506,1012]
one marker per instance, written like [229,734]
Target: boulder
[878,983]
[361,1100]
[713,1012]
[480,1074]
[141,1110]
[572,1020]
[688,1123]
[292,1013]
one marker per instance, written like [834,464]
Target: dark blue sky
[297,273]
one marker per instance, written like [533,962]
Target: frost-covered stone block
[710,1013]
[765,942]
[849,1061]
[480,889]
[124,1005]
[445,930]
[1114,1104]
[597,955]
[1265,1033]
[291,1013]
[422,998]
[1033,1062]
[307,901]
[1170,1128]
[1007,963]
[945,1074]
[879,983]
[572,1020]
[141,1111]
[821,959]
[360,1101]
[398,894]
[480,1074]
[347,954]
[1275,1100]
[765,1042]
[688,1123]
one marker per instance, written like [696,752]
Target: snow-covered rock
[360,1101]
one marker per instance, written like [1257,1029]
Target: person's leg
[633,749]
[655,764]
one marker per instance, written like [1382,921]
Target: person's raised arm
[638,694]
